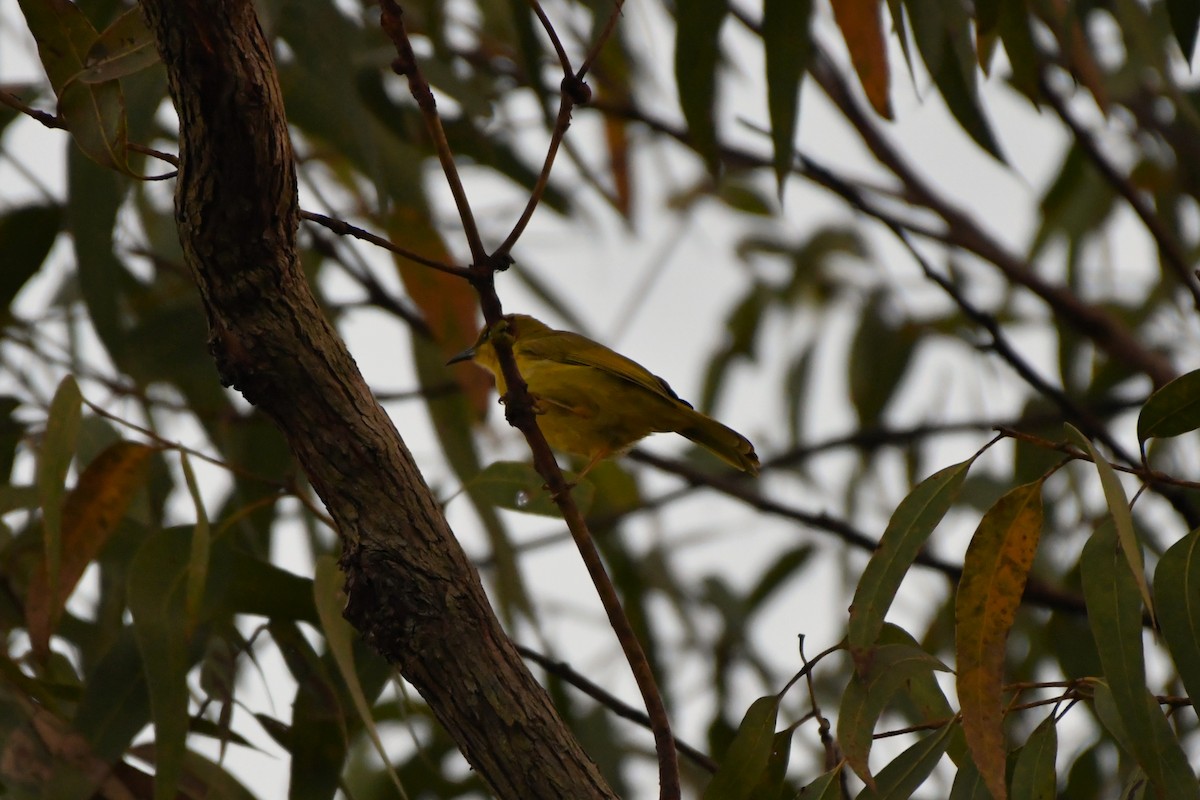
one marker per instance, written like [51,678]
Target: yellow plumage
[594,402]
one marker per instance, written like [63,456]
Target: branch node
[577,89]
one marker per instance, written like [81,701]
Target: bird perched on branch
[594,402]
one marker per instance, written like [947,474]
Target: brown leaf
[993,579]
[90,514]
[861,22]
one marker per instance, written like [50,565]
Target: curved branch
[411,590]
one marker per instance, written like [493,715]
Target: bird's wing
[572,348]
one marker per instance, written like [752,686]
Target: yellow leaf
[90,514]
[993,579]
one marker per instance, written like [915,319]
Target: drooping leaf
[907,771]
[330,601]
[94,195]
[1034,776]
[697,56]
[825,787]
[910,526]
[994,572]
[197,573]
[126,46]
[746,760]
[942,34]
[1177,585]
[54,459]
[921,697]
[115,701]
[867,693]
[94,113]
[1172,410]
[1185,20]
[772,785]
[1115,616]
[157,581]
[26,235]
[787,45]
[90,515]
[861,23]
[517,486]
[879,357]
[317,738]
[1118,506]
[969,784]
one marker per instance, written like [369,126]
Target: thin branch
[1168,245]
[47,119]
[1036,592]
[598,45]
[343,228]
[1148,476]
[1097,324]
[405,64]
[566,104]
[552,34]
[614,704]
[518,402]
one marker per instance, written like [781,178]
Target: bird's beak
[465,355]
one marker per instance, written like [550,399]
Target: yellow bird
[595,403]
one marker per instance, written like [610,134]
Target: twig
[1036,592]
[1149,476]
[1167,243]
[47,119]
[611,702]
[518,402]
[343,228]
[405,64]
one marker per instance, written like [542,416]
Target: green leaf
[697,55]
[969,784]
[1034,776]
[317,737]
[517,486]
[330,601]
[1185,19]
[943,37]
[258,587]
[824,787]
[93,197]
[905,774]
[879,356]
[26,236]
[115,704]
[887,669]
[94,114]
[907,531]
[197,572]
[157,580]
[787,45]
[1115,616]
[54,459]
[1118,506]
[993,579]
[1172,410]
[1177,585]
[748,755]
[123,48]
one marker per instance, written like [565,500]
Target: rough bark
[412,592]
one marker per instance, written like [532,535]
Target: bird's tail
[724,442]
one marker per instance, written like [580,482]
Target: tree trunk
[412,592]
